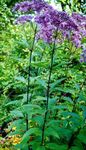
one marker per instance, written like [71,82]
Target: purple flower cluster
[83,55]
[76,38]
[23,19]
[79,17]
[50,20]
[81,22]
[34,5]
[46,33]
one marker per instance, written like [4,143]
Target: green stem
[29,75]
[48,90]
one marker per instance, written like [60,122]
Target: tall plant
[50,23]
[29,75]
[48,89]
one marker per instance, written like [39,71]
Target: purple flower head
[46,33]
[43,19]
[63,16]
[76,39]
[83,32]
[66,35]
[68,25]
[35,5]
[38,5]
[23,6]
[80,20]
[83,55]
[23,19]
[83,24]
[72,24]
[58,20]
[16,7]
[78,17]
[71,27]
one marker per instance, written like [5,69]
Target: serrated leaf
[17,123]
[41,82]
[72,114]
[81,97]
[39,120]
[60,107]
[52,101]
[21,146]
[66,90]
[51,132]
[54,146]
[84,113]
[82,137]
[52,123]
[41,148]
[16,113]
[30,106]
[32,131]
[75,148]
[39,64]
[53,85]
[40,98]
[21,79]
[68,99]
[16,102]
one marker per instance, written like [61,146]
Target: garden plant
[43,76]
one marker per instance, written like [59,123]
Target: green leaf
[16,102]
[68,99]
[39,99]
[23,43]
[41,82]
[75,148]
[52,123]
[53,85]
[21,79]
[21,146]
[82,137]
[41,148]
[51,132]
[53,100]
[54,146]
[39,64]
[84,40]
[16,113]
[72,114]
[84,113]
[32,131]
[66,90]
[39,120]
[60,107]
[30,106]
[81,97]
[78,144]
[18,123]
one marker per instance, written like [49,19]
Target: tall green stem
[29,75]
[48,90]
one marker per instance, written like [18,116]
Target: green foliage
[74,5]
[66,117]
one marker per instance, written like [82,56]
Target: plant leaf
[53,146]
